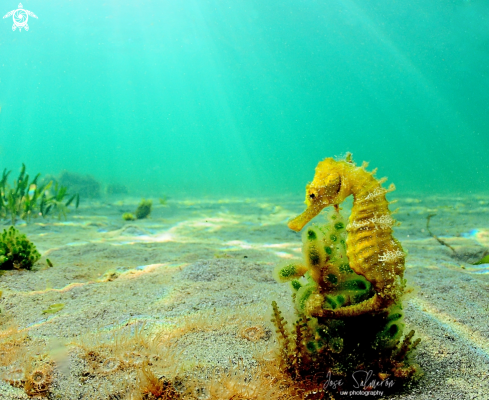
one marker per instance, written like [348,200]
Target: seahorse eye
[312,195]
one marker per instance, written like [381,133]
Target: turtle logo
[20,17]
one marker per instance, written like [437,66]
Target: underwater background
[175,257]
[231,97]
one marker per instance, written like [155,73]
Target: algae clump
[16,251]
[128,217]
[144,209]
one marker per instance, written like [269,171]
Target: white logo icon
[20,17]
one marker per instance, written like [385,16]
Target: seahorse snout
[301,220]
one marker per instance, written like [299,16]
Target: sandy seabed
[189,289]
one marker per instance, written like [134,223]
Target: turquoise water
[245,97]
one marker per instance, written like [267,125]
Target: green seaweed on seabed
[27,198]
[56,201]
[144,209]
[54,308]
[128,217]
[164,201]
[16,251]
[483,260]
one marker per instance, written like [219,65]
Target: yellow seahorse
[371,249]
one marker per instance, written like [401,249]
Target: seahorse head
[327,188]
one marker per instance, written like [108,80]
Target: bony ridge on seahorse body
[371,249]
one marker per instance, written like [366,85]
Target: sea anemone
[38,382]
[253,333]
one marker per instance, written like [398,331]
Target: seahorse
[372,251]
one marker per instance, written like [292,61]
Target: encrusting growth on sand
[32,373]
[347,290]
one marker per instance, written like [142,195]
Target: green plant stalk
[27,198]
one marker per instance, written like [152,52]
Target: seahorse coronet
[372,251]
